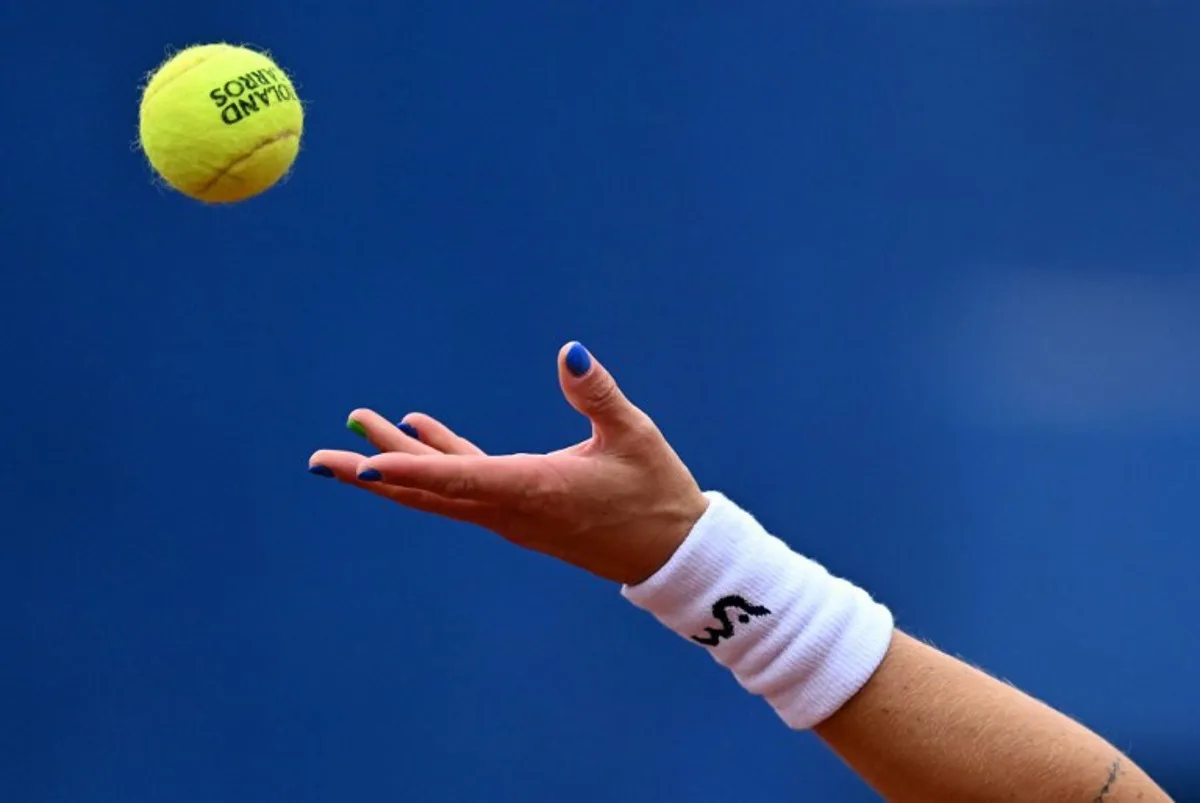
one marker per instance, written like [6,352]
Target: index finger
[501,480]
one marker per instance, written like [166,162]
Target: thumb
[591,390]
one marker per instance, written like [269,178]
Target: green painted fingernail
[356,428]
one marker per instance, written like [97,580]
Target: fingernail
[356,428]
[409,430]
[370,475]
[578,360]
[321,471]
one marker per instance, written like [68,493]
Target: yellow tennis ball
[220,123]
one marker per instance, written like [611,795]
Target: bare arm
[916,724]
[929,727]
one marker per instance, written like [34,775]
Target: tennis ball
[220,123]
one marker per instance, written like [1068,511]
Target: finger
[384,435]
[463,510]
[591,390]
[335,463]
[438,435]
[506,480]
[341,465]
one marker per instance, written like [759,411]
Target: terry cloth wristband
[789,631]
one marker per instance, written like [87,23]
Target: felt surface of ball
[220,123]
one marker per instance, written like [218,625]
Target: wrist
[788,630]
[678,522]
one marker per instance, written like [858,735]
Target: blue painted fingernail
[409,430]
[578,359]
[370,475]
[321,471]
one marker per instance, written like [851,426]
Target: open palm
[617,504]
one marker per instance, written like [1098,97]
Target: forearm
[929,727]
[916,724]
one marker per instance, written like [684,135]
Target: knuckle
[603,394]
[542,493]
[459,487]
[642,428]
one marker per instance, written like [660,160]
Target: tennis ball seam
[215,54]
[287,133]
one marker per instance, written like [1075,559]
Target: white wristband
[788,630]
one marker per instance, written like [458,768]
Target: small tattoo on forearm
[1113,773]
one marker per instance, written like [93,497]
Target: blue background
[918,284]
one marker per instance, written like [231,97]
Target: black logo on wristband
[720,612]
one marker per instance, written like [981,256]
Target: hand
[617,504]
